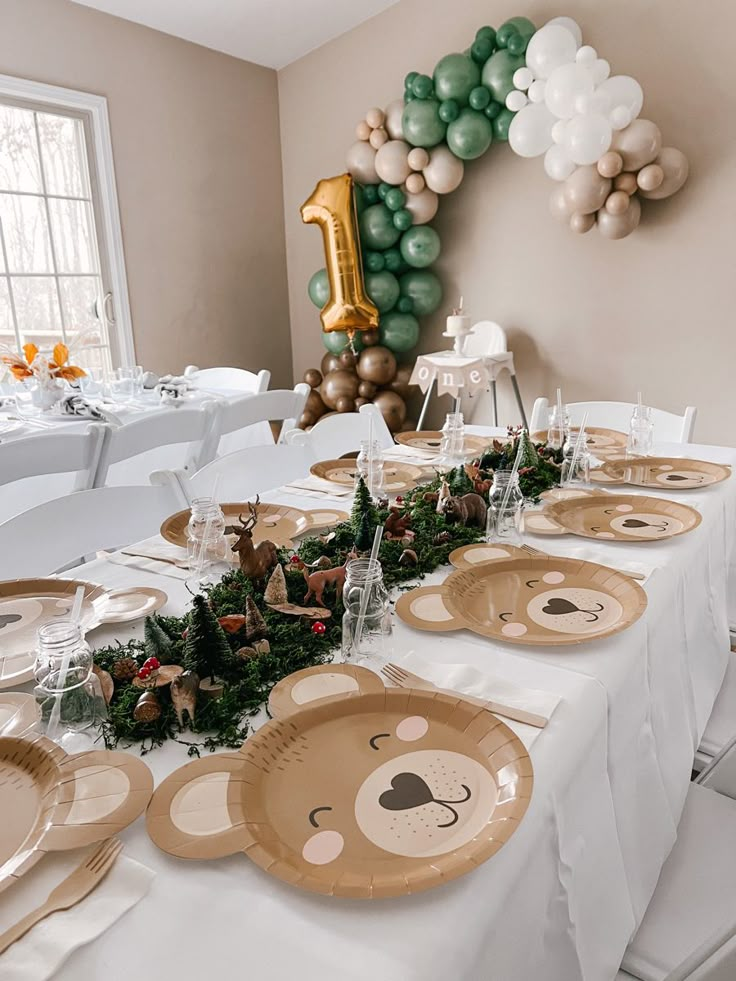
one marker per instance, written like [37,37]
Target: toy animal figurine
[256,561]
[468,510]
[443,497]
[184,690]
[396,524]
[318,581]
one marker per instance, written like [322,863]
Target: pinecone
[124,669]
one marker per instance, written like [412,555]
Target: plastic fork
[71,891]
[406,679]
[624,572]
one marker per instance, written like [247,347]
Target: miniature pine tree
[364,536]
[255,625]
[362,505]
[459,482]
[529,455]
[275,593]
[157,641]
[206,650]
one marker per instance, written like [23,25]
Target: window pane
[7,334]
[71,223]
[37,309]
[79,295]
[19,166]
[26,234]
[64,155]
[95,359]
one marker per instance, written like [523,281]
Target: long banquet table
[561,899]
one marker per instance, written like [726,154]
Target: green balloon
[337,340]
[398,332]
[383,289]
[422,86]
[486,32]
[319,288]
[498,73]
[521,24]
[370,193]
[470,135]
[517,44]
[479,97]
[420,246]
[493,109]
[383,189]
[377,227]
[455,76]
[405,304]
[449,110]
[409,96]
[409,79]
[395,199]
[393,261]
[373,261]
[481,50]
[504,33]
[501,125]
[403,219]
[423,288]
[422,124]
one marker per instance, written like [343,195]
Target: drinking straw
[77,607]
[512,478]
[364,598]
[560,420]
[639,405]
[579,442]
[64,670]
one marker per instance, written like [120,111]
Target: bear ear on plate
[100,793]
[314,686]
[197,811]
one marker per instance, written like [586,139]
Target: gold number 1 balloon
[332,206]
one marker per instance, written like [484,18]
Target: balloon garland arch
[542,91]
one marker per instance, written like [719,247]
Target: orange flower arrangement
[56,368]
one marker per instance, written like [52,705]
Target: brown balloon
[582,223]
[585,190]
[345,404]
[330,363]
[347,359]
[400,383]
[338,384]
[306,419]
[314,404]
[377,364]
[619,226]
[369,338]
[313,378]
[361,401]
[675,166]
[617,202]
[367,390]
[393,409]
[650,177]
[408,426]
[638,143]
[625,182]
[610,164]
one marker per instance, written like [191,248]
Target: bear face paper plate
[397,477]
[615,517]
[600,442]
[670,473]
[52,802]
[540,601]
[430,440]
[382,794]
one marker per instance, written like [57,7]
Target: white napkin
[47,945]
[468,680]
[410,453]
[148,564]
[317,487]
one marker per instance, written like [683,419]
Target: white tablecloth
[560,901]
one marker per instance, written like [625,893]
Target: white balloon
[530,132]
[587,138]
[591,103]
[516,100]
[557,164]
[586,56]
[422,206]
[536,90]
[558,131]
[361,161]
[394,112]
[522,78]
[566,84]
[620,117]
[600,71]
[551,46]
[570,25]
[622,90]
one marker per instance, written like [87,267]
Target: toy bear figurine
[468,510]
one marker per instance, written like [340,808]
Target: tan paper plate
[540,601]
[623,517]
[383,794]
[600,442]
[469,556]
[666,472]
[313,685]
[276,523]
[397,477]
[26,604]
[53,802]
[19,712]
[430,439]
[564,494]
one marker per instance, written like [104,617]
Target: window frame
[92,110]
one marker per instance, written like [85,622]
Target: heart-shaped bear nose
[558,606]
[407,790]
[636,523]
[7,618]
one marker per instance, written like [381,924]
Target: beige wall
[196,144]
[654,311]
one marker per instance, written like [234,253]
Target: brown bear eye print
[504,616]
[380,735]
[313,815]
[531,583]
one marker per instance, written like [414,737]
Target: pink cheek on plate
[408,730]
[513,629]
[624,507]
[605,534]
[323,848]
[553,578]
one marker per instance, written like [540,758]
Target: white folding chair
[50,536]
[488,341]
[38,468]
[228,379]
[668,426]
[688,929]
[179,436]
[722,722]
[342,433]
[245,421]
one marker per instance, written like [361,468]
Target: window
[62,274]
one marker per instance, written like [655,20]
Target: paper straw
[638,405]
[75,617]
[77,608]
[579,443]
[512,478]
[560,420]
[364,598]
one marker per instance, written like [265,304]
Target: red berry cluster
[150,665]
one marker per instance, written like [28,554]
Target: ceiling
[267,32]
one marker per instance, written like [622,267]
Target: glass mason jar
[67,691]
[366,623]
[503,521]
[452,441]
[641,432]
[206,543]
[558,427]
[581,472]
[369,466]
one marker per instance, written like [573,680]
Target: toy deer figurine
[255,561]
[318,581]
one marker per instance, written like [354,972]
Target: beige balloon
[585,190]
[610,165]
[377,138]
[619,226]
[650,177]
[675,167]
[617,202]
[392,122]
[582,223]
[444,172]
[392,164]
[422,206]
[414,183]
[361,163]
[363,130]
[418,158]
[558,204]
[638,143]
[625,182]
[375,118]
